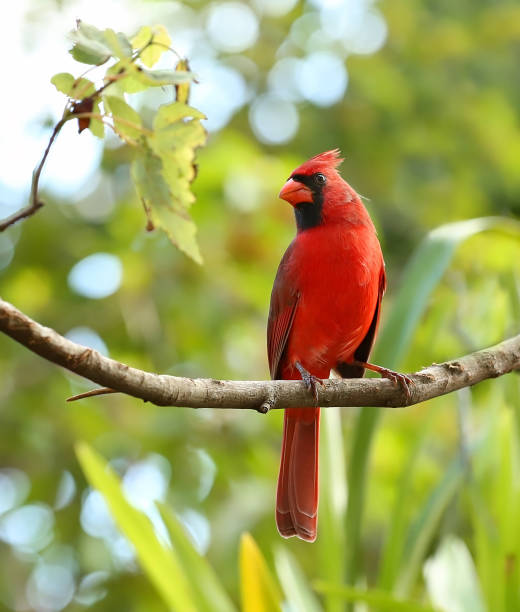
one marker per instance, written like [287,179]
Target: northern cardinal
[324,315]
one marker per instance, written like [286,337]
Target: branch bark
[163,390]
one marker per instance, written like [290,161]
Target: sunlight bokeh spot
[326,4]
[96,276]
[92,588]
[95,517]
[370,36]
[50,587]
[274,121]
[323,78]
[123,553]
[239,183]
[232,26]
[283,79]
[29,528]
[14,487]
[341,21]
[198,528]
[274,8]
[146,482]
[220,92]
[208,471]
[66,490]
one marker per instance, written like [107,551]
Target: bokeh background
[423,99]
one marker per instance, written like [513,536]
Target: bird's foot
[403,380]
[311,381]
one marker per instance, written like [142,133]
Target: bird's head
[316,190]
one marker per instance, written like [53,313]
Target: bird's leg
[404,381]
[311,381]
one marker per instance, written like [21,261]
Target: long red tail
[297,496]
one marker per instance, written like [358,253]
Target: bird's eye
[320,179]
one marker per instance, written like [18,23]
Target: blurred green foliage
[430,131]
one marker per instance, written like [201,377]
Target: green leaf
[294,583]
[96,126]
[89,45]
[153,42]
[154,192]
[159,78]
[131,78]
[63,81]
[421,276]
[376,599]
[162,566]
[127,121]
[149,181]
[258,588]
[142,38]
[175,140]
[424,528]
[495,504]
[118,43]
[163,174]
[180,229]
[208,590]
[74,88]
[168,114]
[125,79]
[397,523]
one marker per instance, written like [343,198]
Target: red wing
[284,300]
[278,328]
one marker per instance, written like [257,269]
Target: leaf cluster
[163,153]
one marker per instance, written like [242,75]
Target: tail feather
[297,496]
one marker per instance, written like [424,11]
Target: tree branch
[262,396]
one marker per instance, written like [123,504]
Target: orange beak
[295,193]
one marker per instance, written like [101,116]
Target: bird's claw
[311,381]
[403,380]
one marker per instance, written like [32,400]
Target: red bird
[324,315]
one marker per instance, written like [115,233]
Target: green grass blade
[161,565]
[451,579]
[357,477]
[421,276]
[294,583]
[424,528]
[208,590]
[495,507]
[333,504]
[375,598]
[394,544]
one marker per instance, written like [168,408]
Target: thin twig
[262,396]
[91,393]
[35,202]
